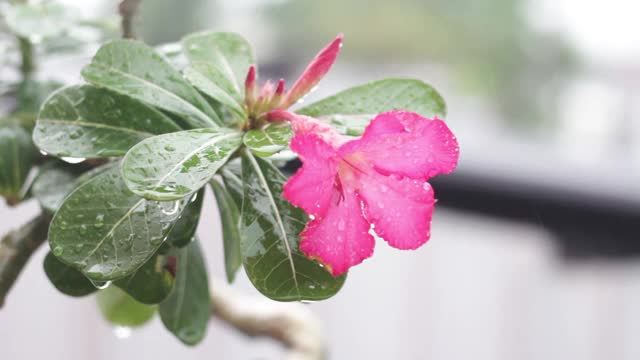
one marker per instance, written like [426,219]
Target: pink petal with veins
[407,144]
[311,187]
[400,209]
[314,72]
[341,239]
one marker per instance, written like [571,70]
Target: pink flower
[269,97]
[347,186]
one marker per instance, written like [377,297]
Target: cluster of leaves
[130,154]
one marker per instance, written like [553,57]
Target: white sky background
[605,32]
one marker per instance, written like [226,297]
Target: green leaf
[352,109]
[107,232]
[16,156]
[207,78]
[185,228]
[268,140]
[89,122]
[134,69]
[151,283]
[172,166]
[121,309]
[229,53]
[66,279]
[232,177]
[54,182]
[187,310]
[230,219]
[270,228]
[31,95]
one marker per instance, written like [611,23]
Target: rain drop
[58,250]
[170,208]
[99,221]
[122,332]
[100,285]
[72,160]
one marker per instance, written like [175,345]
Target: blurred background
[534,250]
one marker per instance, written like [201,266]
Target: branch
[293,325]
[127,10]
[16,248]
[27,65]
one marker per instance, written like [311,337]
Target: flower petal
[407,144]
[399,208]
[311,186]
[341,239]
[314,72]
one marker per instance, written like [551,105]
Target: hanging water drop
[100,285]
[122,332]
[72,160]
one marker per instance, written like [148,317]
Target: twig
[293,325]
[27,65]
[16,248]
[128,10]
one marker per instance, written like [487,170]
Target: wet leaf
[185,228]
[208,79]
[66,279]
[53,183]
[106,231]
[134,69]
[16,156]
[121,309]
[271,228]
[232,178]
[230,220]
[88,122]
[269,140]
[151,283]
[229,53]
[187,310]
[172,166]
[351,110]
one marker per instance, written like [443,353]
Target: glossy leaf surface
[136,70]
[106,231]
[268,140]
[230,220]
[151,283]
[270,228]
[66,279]
[208,79]
[53,184]
[172,166]
[88,122]
[352,109]
[16,156]
[228,52]
[187,310]
[185,228]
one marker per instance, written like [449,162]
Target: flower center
[351,168]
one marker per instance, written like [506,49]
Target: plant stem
[16,248]
[293,325]
[27,66]
[128,10]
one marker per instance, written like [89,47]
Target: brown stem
[128,10]
[16,248]
[293,325]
